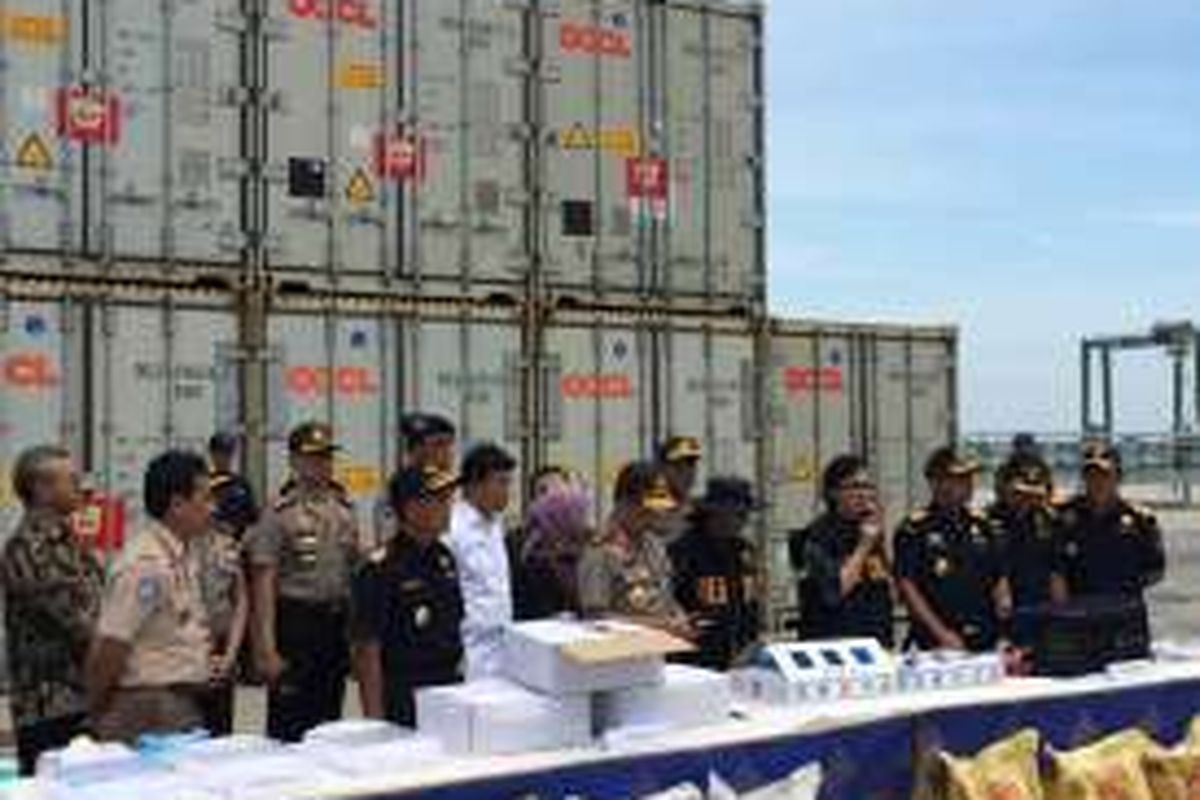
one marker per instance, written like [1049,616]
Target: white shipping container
[361,371]
[117,380]
[396,140]
[653,168]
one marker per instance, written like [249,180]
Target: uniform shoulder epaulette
[219,479]
[377,555]
[977,514]
[1144,513]
[342,494]
[917,515]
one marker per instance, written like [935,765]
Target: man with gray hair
[52,587]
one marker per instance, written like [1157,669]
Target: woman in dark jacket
[845,587]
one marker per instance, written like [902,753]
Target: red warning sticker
[399,156]
[647,185]
[90,115]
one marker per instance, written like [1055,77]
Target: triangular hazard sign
[33,153]
[576,138]
[360,190]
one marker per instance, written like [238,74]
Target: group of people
[974,580]
[214,589]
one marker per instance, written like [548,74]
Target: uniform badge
[444,563]
[149,590]
[638,597]
[875,569]
[937,539]
[941,567]
[1126,522]
[422,616]
[1072,549]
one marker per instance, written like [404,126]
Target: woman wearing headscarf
[557,528]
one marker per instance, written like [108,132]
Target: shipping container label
[805,380]
[614,386]
[33,29]
[29,371]
[353,13]
[88,114]
[647,186]
[622,141]
[360,75]
[584,38]
[34,154]
[359,189]
[400,155]
[348,382]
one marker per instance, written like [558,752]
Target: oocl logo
[594,40]
[342,381]
[602,387]
[29,371]
[349,12]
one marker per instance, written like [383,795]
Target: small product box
[495,717]
[688,697]
[563,657]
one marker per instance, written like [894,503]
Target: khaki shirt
[312,539]
[627,576]
[154,603]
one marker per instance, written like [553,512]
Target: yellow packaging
[1006,770]
[1110,769]
[1174,775]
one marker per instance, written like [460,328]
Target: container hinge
[235,96]
[441,222]
[232,169]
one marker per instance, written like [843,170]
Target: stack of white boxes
[568,681]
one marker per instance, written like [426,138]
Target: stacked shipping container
[544,218]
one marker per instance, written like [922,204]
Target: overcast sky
[1027,169]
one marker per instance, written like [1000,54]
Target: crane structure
[1181,342]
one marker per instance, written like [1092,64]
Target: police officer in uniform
[715,574]
[949,569]
[302,556]
[1106,546]
[1024,522]
[408,608]
[845,587]
[149,663]
[679,461]
[428,441]
[625,572]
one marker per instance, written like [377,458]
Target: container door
[41,197]
[597,231]
[596,392]
[163,122]
[710,104]
[465,122]
[40,387]
[706,390]
[333,170]
[812,418]
[340,370]
[163,377]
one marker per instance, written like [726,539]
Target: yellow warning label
[35,29]
[360,190]
[360,75]
[34,154]
[624,142]
[804,469]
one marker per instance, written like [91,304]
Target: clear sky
[1026,169]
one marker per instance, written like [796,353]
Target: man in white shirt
[477,538]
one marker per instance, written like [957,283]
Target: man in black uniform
[1107,548]
[949,569]
[845,580]
[235,507]
[1024,522]
[408,608]
[715,576]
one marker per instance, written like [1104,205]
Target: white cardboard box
[688,697]
[577,657]
[495,717]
